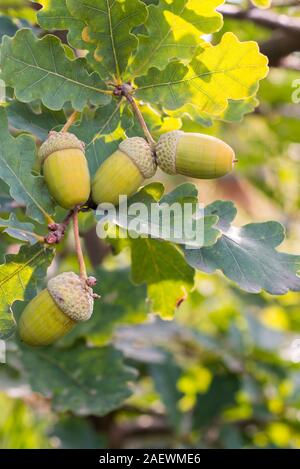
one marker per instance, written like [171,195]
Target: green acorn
[65,169]
[195,155]
[124,171]
[67,300]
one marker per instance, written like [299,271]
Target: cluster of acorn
[69,299]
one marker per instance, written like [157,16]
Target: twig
[58,230]
[126,91]
[70,121]
[82,268]
[142,122]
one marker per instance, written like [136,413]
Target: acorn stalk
[195,155]
[124,171]
[54,312]
[65,169]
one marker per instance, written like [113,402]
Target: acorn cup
[65,169]
[195,155]
[66,301]
[124,171]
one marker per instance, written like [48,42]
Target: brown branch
[80,257]
[280,46]
[268,18]
[126,90]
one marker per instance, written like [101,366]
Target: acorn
[195,155]
[65,169]
[124,171]
[66,301]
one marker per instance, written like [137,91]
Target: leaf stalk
[80,257]
[126,91]
[70,121]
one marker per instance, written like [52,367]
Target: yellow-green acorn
[65,169]
[66,301]
[124,171]
[195,155]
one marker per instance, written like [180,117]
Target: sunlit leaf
[174,29]
[230,70]
[262,3]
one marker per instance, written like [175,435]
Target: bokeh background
[226,372]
